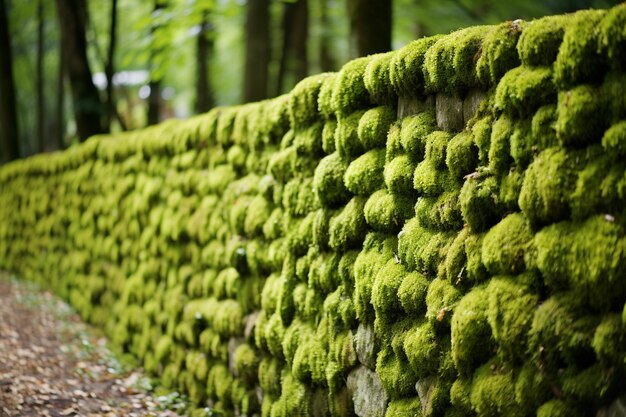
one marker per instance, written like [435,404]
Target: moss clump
[472,341]
[542,127]
[510,314]
[398,175]
[328,182]
[387,212]
[412,293]
[347,229]
[578,60]
[422,351]
[324,98]
[531,387]
[612,36]
[440,213]
[463,264]
[303,100]
[349,92]
[481,135]
[436,144]
[374,125]
[607,339]
[347,141]
[393,146]
[557,408]
[420,248]
[500,145]
[441,299]
[449,64]
[540,41]
[548,181]
[522,90]
[282,164]
[461,155]
[591,386]
[614,139]
[498,52]
[460,396]
[414,131]
[493,392]
[561,333]
[299,198]
[308,141]
[480,203]
[365,174]
[405,407]
[246,363]
[429,180]
[581,116]
[600,243]
[328,136]
[385,289]
[405,69]
[377,79]
[309,361]
[505,244]
[395,374]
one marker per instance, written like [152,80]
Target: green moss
[269,376]
[500,145]
[540,41]
[429,180]
[347,141]
[480,202]
[324,99]
[393,146]
[557,408]
[542,127]
[510,314]
[436,144]
[321,223]
[398,174]
[273,335]
[328,182]
[498,52]
[347,229]
[349,92]
[591,386]
[440,213]
[377,78]
[412,293]
[405,407]
[422,351]
[395,374]
[449,64]
[414,131]
[374,125]
[309,362]
[387,212]
[219,383]
[531,387]
[246,363]
[294,400]
[365,174]
[405,69]
[461,155]
[299,198]
[472,341]
[600,243]
[257,215]
[385,289]
[582,116]
[441,299]
[522,90]
[328,136]
[493,393]
[609,336]
[578,60]
[460,396]
[612,36]
[308,141]
[548,181]
[303,100]
[282,164]
[560,334]
[505,245]
[420,248]
[614,139]
[613,93]
[481,135]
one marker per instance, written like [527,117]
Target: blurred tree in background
[73,68]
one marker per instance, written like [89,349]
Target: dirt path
[52,364]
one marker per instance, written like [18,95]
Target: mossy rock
[365,174]
[405,69]
[498,52]
[505,245]
[377,79]
[374,125]
[540,41]
[328,181]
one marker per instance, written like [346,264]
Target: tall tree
[327,62]
[370,26]
[293,56]
[60,103]
[204,52]
[154,100]
[88,108]
[257,50]
[41,117]
[109,69]
[8,114]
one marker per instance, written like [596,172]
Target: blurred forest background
[73,68]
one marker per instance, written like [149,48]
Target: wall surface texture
[439,230]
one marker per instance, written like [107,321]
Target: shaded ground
[52,364]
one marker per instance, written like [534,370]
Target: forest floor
[54,365]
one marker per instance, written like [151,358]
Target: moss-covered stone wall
[438,230]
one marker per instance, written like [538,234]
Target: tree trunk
[205,46]
[154,100]
[60,110]
[88,109]
[257,50]
[327,63]
[370,26]
[8,113]
[41,117]
[293,58]
[109,70]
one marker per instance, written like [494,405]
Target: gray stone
[471,103]
[449,113]
[365,345]
[425,388]
[408,106]
[616,409]
[233,344]
[368,395]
